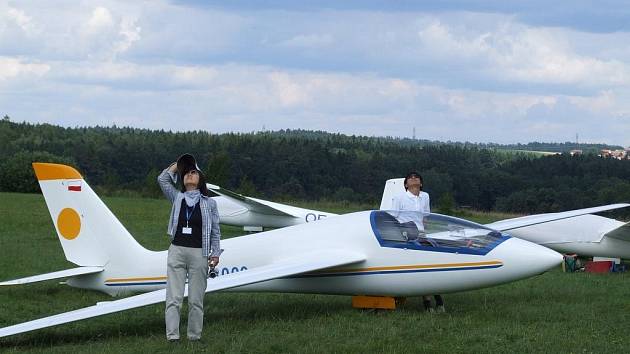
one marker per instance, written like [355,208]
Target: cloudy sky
[481,71]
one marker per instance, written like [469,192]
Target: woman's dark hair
[413,174]
[201,185]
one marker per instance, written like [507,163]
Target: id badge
[187,230]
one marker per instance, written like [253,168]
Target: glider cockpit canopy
[433,232]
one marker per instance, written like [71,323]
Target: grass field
[551,313]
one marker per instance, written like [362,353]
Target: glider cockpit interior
[433,232]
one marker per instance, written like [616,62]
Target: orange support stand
[377,302]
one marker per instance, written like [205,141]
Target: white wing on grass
[298,264]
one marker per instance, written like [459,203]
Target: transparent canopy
[433,232]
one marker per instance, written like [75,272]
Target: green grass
[554,312]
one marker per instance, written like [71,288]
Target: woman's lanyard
[189,212]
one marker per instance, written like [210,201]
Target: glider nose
[523,258]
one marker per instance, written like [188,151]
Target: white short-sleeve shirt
[409,202]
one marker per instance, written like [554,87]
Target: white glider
[363,253]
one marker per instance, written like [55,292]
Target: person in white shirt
[414,199]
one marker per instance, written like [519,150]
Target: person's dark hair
[201,185]
[413,174]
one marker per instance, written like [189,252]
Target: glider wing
[252,204]
[54,275]
[620,233]
[510,224]
[299,264]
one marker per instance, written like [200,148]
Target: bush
[17,174]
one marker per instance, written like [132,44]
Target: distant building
[575,152]
[616,154]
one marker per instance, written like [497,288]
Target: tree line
[307,165]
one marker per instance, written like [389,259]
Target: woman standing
[195,236]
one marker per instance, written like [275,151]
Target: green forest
[305,165]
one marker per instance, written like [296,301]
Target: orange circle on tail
[69,223]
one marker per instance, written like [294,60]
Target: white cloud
[105,35]
[309,41]
[514,52]
[441,42]
[20,18]
[129,34]
[100,21]
[70,30]
[473,105]
[287,91]
[191,76]
[605,101]
[538,55]
[14,68]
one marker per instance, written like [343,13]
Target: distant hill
[533,146]
[316,165]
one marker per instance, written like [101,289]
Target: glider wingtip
[212,186]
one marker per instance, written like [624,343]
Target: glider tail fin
[393,187]
[89,232]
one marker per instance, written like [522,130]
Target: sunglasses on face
[192,172]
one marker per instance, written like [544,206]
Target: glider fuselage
[392,269]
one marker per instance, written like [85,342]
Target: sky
[479,71]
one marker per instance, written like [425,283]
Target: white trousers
[182,263]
